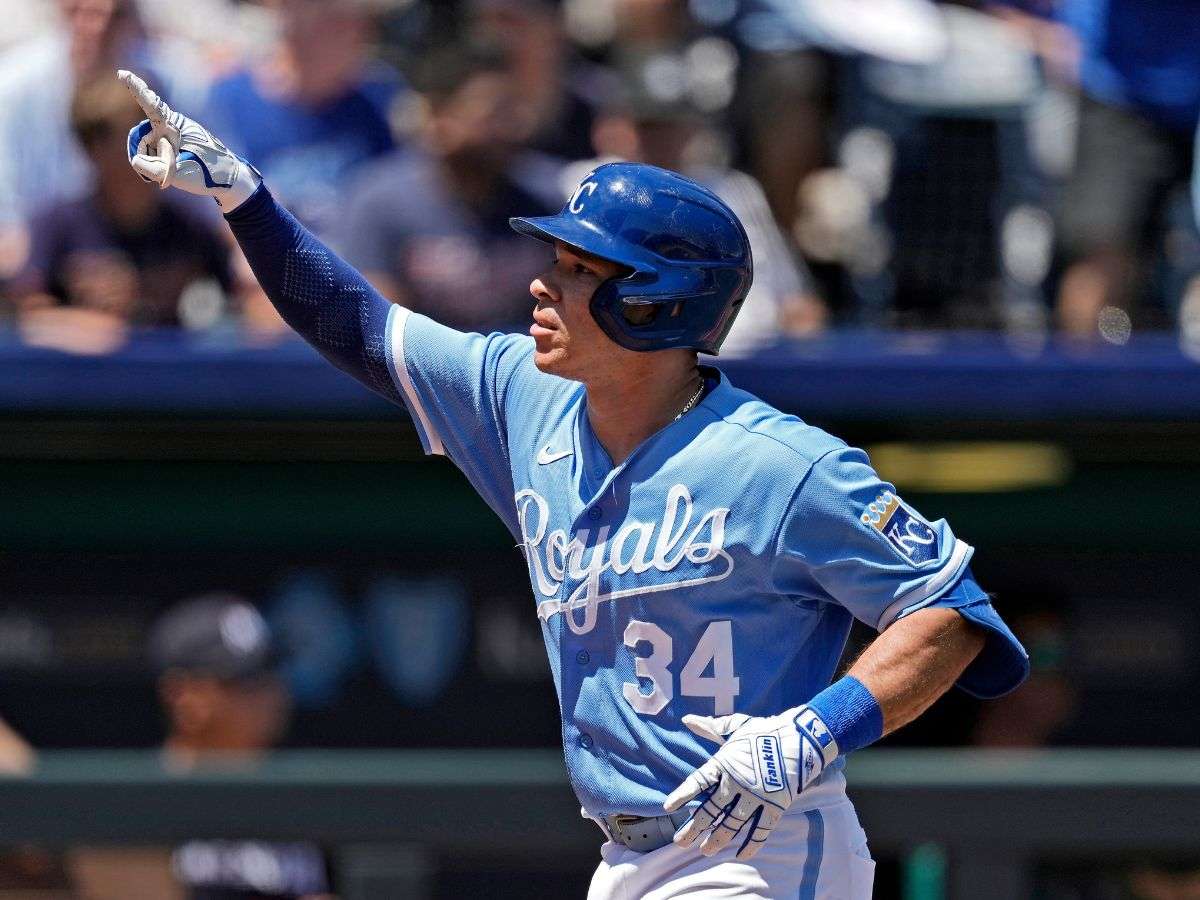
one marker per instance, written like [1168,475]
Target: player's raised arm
[454,384]
[325,300]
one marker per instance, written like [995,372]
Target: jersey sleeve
[848,538]
[1002,664]
[456,385]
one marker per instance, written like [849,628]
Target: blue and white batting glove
[170,150]
[763,765]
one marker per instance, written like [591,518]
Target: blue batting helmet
[687,254]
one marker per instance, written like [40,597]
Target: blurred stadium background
[977,256]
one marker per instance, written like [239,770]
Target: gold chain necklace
[688,407]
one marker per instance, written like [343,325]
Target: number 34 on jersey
[654,657]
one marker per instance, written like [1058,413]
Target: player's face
[567,340]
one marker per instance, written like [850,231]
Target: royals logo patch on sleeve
[910,535]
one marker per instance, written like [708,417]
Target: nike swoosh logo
[545,457]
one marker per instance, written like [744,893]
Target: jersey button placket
[583,657]
[594,513]
[584,741]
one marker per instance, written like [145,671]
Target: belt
[643,834]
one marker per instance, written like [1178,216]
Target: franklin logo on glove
[768,762]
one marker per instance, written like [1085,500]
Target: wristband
[850,712]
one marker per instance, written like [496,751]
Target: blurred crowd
[1020,165]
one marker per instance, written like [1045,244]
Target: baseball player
[696,556]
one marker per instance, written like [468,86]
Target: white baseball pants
[813,854]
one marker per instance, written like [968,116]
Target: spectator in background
[194,43]
[429,226]
[126,251]
[27,869]
[217,680]
[225,702]
[1138,72]
[674,136]
[37,81]
[651,33]
[16,756]
[315,109]
[24,20]
[783,119]
[560,92]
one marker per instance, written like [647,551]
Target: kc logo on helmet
[576,203]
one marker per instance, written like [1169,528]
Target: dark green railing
[969,823]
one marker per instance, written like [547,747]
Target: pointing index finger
[152,105]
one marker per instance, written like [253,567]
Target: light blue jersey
[716,570]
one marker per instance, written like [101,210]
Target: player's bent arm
[937,628]
[916,661]
[765,762]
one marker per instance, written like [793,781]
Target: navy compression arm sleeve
[320,296]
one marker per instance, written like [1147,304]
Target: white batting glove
[169,149]
[763,765]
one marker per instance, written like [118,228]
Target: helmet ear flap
[664,310]
[605,308]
